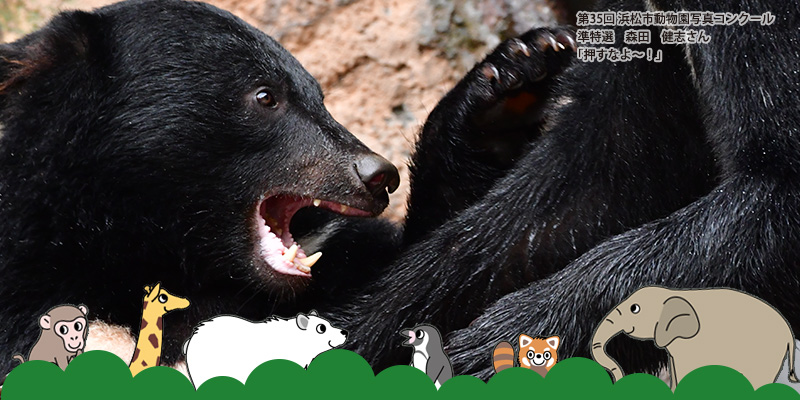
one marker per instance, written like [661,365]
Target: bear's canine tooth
[290,253]
[343,207]
[309,261]
[317,202]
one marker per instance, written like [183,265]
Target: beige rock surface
[383,64]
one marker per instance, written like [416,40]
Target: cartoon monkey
[63,335]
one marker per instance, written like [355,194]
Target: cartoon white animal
[228,345]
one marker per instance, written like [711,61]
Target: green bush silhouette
[344,374]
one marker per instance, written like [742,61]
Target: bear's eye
[266,99]
[63,329]
[321,328]
[635,308]
[162,298]
[530,354]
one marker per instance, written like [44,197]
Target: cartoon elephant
[702,327]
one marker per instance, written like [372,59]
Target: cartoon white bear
[228,345]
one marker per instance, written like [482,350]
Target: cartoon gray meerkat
[429,354]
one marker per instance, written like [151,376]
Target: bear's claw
[529,59]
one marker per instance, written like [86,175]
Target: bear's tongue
[278,248]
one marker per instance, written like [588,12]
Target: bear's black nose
[377,173]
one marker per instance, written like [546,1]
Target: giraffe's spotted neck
[157,302]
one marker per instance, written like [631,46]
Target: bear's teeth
[290,253]
[309,261]
[317,202]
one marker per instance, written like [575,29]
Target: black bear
[169,141]
[566,192]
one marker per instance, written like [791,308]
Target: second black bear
[681,173]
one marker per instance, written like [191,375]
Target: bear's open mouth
[277,246]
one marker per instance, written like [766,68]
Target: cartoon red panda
[538,354]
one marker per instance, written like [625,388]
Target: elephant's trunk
[605,331]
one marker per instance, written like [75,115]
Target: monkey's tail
[19,358]
[503,356]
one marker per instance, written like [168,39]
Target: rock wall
[383,64]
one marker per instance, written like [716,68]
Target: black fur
[645,176]
[134,151]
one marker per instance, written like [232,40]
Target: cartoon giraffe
[157,302]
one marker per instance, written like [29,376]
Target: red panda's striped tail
[503,356]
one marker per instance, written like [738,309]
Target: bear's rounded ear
[302,321]
[65,40]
